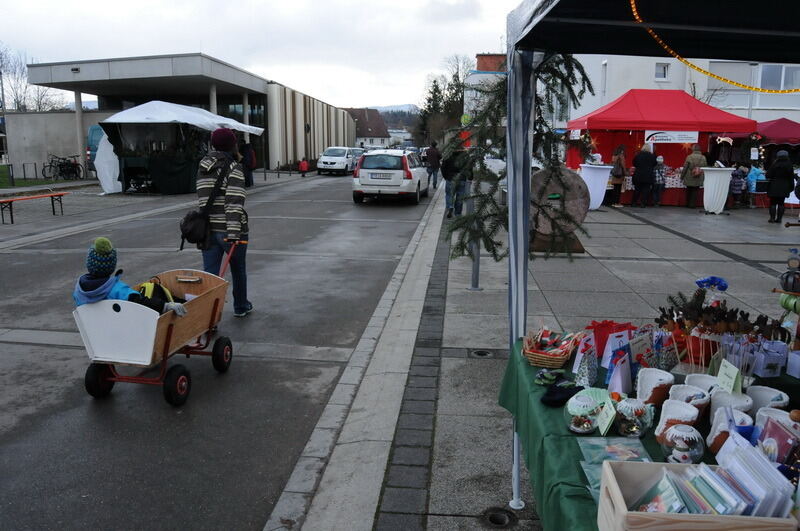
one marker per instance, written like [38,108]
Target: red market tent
[624,121]
[780,131]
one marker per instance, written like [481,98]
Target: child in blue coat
[101,282]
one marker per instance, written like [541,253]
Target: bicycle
[67,168]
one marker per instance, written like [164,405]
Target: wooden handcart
[123,333]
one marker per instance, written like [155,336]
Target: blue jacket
[756,174]
[90,289]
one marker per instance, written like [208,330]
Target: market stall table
[551,451]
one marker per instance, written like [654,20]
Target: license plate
[380,175]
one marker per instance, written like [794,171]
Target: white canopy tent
[154,120]
[161,112]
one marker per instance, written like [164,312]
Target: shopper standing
[434,159]
[692,174]
[780,179]
[228,217]
[456,171]
[659,180]
[619,171]
[248,162]
[644,164]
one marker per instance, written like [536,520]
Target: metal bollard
[475,247]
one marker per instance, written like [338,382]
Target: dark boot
[779,217]
[773,211]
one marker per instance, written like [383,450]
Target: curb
[354,416]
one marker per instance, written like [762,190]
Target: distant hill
[399,116]
[407,107]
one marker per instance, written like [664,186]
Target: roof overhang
[185,74]
[768,33]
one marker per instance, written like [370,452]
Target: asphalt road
[317,266]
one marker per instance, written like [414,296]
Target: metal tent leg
[516,502]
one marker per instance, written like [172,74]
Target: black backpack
[196,224]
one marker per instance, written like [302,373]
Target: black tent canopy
[766,31]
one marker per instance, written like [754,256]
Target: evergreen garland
[561,82]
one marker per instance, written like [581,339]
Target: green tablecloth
[551,451]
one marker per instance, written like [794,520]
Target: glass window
[382,162]
[791,77]
[412,163]
[382,140]
[662,70]
[771,76]
[334,152]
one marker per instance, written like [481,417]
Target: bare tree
[711,94]
[19,94]
[458,66]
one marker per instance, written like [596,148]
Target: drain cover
[499,518]
[481,354]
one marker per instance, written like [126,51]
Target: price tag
[606,416]
[730,378]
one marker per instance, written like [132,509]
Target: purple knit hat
[223,139]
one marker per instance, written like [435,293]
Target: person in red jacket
[303,167]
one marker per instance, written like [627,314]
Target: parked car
[390,172]
[337,159]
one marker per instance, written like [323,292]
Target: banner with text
[671,137]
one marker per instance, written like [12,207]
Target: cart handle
[228,257]
[192,280]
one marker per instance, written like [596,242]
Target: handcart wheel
[222,354]
[177,385]
[97,381]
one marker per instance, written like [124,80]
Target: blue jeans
[454,193]
[212,260]
[433,175]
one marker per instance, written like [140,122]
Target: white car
[337,159]
[390,172]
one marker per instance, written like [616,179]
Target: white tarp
[161,112]
[106,164]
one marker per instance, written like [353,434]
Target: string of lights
[673,53]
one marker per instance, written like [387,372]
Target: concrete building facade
[35,135]
[296,125]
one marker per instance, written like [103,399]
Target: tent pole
[521,91]
[516,502]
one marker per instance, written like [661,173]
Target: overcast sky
[345,52]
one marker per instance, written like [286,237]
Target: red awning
[667,110]
[780,131]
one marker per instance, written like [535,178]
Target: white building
[613,75]
[399,137]
[371,130]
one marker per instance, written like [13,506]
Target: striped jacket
[227,213]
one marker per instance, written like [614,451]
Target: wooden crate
[208,289]
[624,482]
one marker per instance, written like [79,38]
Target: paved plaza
[359,396]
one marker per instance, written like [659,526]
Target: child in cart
[101,282]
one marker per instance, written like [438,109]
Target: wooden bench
[8,204]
